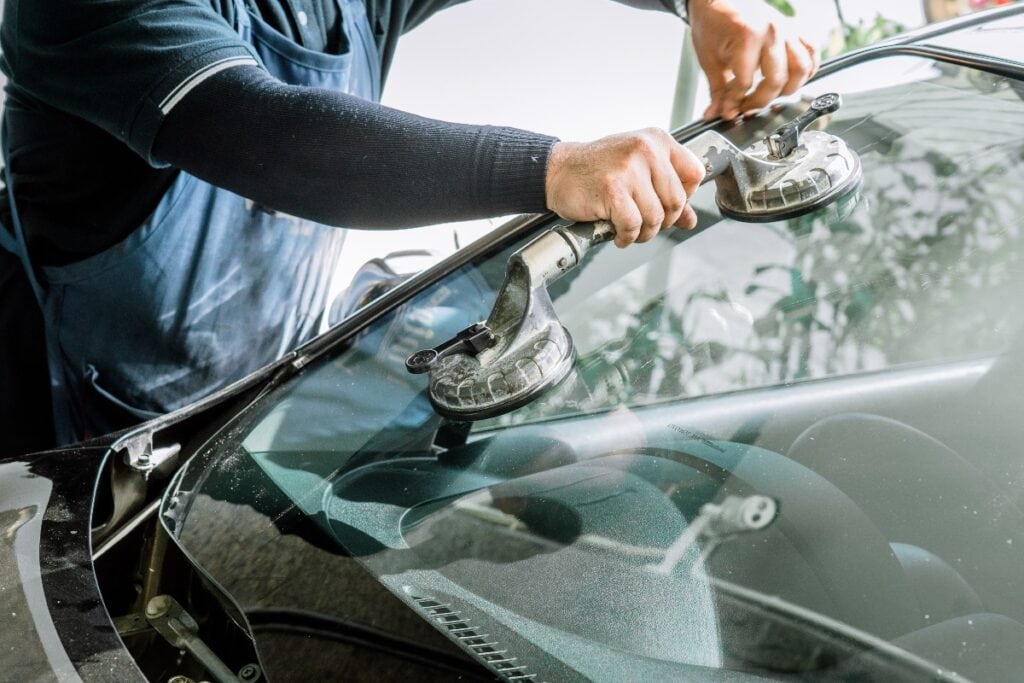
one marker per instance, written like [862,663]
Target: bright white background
[577,69]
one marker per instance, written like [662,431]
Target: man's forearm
[344,161]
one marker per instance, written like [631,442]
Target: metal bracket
[131,625]
[170,620]
[140,455]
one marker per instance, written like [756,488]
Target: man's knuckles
[673,204]
[653,220]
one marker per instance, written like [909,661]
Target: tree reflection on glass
[922,265]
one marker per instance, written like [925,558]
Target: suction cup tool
[791,172]
[522,350]
[464,387]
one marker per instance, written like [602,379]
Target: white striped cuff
[190,83]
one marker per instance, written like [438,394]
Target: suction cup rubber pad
[467,388]
[821,170]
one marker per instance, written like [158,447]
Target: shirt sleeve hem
[514,181]
[141,128]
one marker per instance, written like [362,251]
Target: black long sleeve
[344,161]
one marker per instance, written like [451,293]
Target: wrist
[557,159]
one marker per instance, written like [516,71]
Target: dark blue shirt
[88,88]
[90,84]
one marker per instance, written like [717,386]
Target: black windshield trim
[956,25]
[996,65]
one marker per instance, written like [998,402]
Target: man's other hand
[639,181]
[731,45]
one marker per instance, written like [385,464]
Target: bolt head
[249,672]
[157,607]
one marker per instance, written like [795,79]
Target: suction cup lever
[472,340]
[783,141]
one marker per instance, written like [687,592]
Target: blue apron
[210,288]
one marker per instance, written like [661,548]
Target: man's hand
[639,181]
[730,47]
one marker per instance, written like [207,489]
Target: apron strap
[242,22]
[8,241]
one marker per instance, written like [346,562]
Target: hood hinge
[139,453]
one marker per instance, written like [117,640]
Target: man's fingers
[653,213]
[718,80]
[743,62]
[671,193]
[690,172]
[815,57]
[688,167]
[639,181]
[627,219]
[688,219]
[730,47]
[800,67]
[773,69]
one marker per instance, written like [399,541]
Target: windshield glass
[786,448]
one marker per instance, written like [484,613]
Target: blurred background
[580,69]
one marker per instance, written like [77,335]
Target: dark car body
[80,560]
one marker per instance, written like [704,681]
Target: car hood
[54,621]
